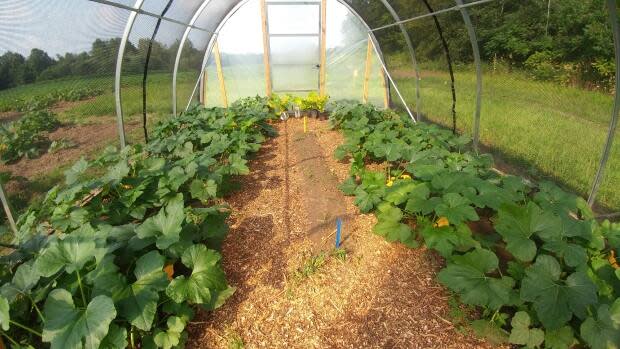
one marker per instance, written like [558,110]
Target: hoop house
[86,84]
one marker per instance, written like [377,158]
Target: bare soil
[382,295]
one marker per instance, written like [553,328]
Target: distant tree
[12,66]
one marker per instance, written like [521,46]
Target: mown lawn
[548,130]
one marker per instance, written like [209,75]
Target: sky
[61,26]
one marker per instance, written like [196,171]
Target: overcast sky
[61,26]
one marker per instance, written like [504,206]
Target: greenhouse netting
[133,120]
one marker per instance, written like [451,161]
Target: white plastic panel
[294,19]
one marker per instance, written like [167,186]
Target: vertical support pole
[367,70]
[220,73]
[323,63]
[119,71]
[177,60]
[400,96]
[613,19]
[266,48]
[414,61]
[203,88]
[476,50]
[7,210]
[386,92]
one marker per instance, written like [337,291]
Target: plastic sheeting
[294,39]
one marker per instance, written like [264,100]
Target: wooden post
[203,88]
[323,63]
[266,48]
[220,73]
[369,51]
[386,94]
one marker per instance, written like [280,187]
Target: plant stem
[13,341]
[36,308]
[25,328]
[131,339]
[79,279]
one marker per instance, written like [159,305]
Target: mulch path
[382,295]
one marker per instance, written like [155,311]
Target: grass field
[548,130]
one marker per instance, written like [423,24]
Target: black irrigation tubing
[449,59]
[146,70]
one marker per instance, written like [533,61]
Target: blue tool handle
[338,230]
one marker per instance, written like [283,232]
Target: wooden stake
[266,48]
[369,51]
[323,63]
[203,88]
[220,73]
[386,94]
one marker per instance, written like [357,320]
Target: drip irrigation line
[446,49]
[146,70]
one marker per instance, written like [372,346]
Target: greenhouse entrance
[294,46]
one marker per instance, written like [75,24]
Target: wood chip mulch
[382,295]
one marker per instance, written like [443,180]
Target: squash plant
[25,137]
[122,254]
[530,256]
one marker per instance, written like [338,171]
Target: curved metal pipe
[243,2]
[411,53]
[180,51]
[613,19]
[477,61]
[119,70]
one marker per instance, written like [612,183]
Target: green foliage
[25,137]
[125,254]
[554,285]
[282,103]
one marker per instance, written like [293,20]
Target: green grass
[550,131]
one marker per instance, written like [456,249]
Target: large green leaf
[68,327]
[448,239]
[71,253]
[399,192]
[138,301]
[456,209]
[203,190]
[522,333]
[603,331]
[561,338]
[75,172]
[390,227]
[366,201]
[170,338]
[467,275]
[5,316]
[207,277]
[25,278]
[166,225]
[115,339]
[516,224]
[556,300]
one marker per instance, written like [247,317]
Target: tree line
[15,69]
[569,41]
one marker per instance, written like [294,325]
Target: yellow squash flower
[442,222]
